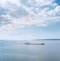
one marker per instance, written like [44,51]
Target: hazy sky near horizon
[29,19]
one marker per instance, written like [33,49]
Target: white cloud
[42,18]
[44,2]
[44,21]
[57,8]
[6,16]
[6,27]
[3,2]
[27,21]
[12,1]
[54,11]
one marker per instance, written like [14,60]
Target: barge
[28,43]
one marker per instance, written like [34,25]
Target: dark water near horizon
[18,51]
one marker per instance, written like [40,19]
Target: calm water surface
[18,51]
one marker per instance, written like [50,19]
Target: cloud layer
[21,13]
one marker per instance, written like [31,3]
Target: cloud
[4,2]
[54,12]
[21,13]
[44,2]
[5,19]
[22,22]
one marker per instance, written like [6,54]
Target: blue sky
[29,19]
